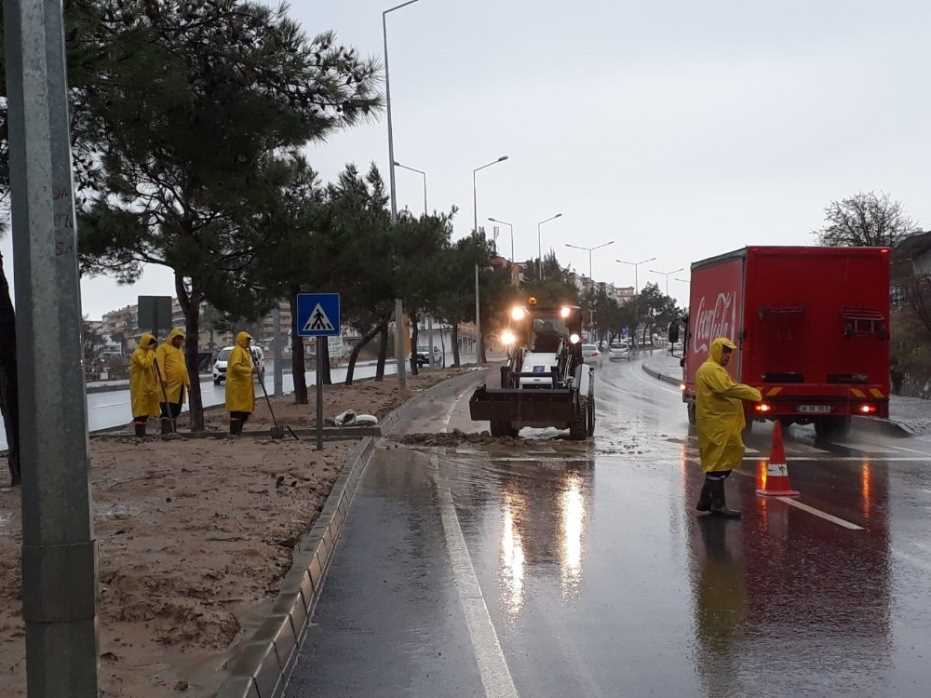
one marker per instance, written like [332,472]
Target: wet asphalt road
[560,569]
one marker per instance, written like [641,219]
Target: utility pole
[276,351]
[478,321]
[59,551]
[540,241]
[399,342]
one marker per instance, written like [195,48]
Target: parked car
[590,353]
[219,366]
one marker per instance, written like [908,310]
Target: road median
[200,543]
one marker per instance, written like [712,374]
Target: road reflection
[544,518]
[784,582]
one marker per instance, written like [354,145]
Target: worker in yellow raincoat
[143,383]
[720,420]
[240,388]
[174,374]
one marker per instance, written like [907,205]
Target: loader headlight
[574,338]
[508,337]
[565,312]
[518,313]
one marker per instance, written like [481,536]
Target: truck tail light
[763,407]
[867,409]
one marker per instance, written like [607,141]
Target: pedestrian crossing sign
[318,315]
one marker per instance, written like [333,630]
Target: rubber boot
[719,502]
[704,499]
[235,425]
[140,428]
[166,425]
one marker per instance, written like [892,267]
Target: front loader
[545,382]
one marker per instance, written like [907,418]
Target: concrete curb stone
[261,665]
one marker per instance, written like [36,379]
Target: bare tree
[865,220]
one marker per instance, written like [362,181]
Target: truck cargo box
[811,325]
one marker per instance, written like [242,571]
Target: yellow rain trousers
[172,364]
[240,390]
[143,383]
[720,412]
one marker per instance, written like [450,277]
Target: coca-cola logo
[719,321]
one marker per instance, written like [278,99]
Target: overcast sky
[679,130]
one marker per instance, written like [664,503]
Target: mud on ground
[193,540]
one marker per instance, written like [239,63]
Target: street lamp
[414,169]
[511,226]
[635,265]
[475,188]
[478,315]
[590,276]
[540,244]
[391,163]
[667,274]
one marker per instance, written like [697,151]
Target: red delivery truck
[811,325]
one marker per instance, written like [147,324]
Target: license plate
[814,409]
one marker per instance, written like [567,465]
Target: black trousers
[237,421]
[170,411]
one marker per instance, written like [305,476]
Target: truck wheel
[578,430]
[591,417]
[832,427]
[693,416]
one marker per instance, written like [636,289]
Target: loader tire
[502,427]
[578,430]
[693,417]
[591,417]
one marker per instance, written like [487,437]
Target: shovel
[277,430]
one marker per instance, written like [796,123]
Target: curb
[873,425]
[329,434]
[260,665]
[659,376]
[391,420]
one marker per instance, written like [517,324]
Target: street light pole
[384,29]
[59,553]
[478,317]
[636,265]
[590,276]
[414,169]
[667,274]
[540,242]
[511,227]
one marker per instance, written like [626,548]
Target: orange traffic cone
[777,471]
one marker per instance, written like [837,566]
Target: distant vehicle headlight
[518,313]
[574,338]
[508,337]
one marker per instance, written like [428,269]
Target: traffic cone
[777,470]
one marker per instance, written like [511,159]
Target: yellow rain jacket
[143,383]
[240,390]
[172,364]
[720,412]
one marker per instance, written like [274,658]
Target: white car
[219,366]
[618,352]
[590,353]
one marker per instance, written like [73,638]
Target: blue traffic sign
[318,315]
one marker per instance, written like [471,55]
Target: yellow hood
[717,348]
[147,341]
[176,332]
[242,339]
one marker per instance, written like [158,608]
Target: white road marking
[492,664]
[858,446]
[449,412]
[807,508]
[820,514]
